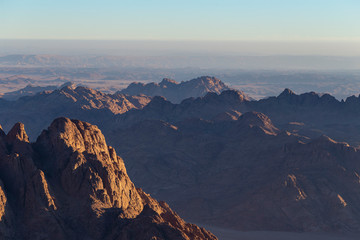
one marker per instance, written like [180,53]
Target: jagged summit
[71,185]
[211,82]
[231,95]
[287,92]
[225,97]
[69,84]
[168,82]
[159,103]
[31,90]
[353,100]
[210,107]
[88,98]
[17,140]
[176,92]
[17,133]
[308,99]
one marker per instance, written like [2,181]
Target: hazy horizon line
[188,40]
[212,47]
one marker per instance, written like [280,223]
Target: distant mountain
[75,102]
[31,90]
[176,92]
[313,114]
[222,159]
[212,106]
[17,80]
[181,61]
[309,114]
[70,184]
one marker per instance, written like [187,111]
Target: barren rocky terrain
[285,163]
[70,184]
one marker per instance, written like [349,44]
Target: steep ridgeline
[313,114]
[310,114]
[70,184]
[228,105]
[176,92]
[31,90]
[81,103]
[245,174]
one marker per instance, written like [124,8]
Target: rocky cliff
[70,184]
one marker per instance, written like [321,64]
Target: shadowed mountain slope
[245,174]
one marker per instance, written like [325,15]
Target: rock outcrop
[70,184]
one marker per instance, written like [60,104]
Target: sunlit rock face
[70,184]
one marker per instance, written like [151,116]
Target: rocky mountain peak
[78,150]
[65,136]
[352,100]
[207,79]
[226,97]
[212,84]
[305,99]
[68,84]
[159,102]
[17,133]
[286,93]
[75,186]
[234,95]
[177,92]
[324,140]
[168,82]
[260,120]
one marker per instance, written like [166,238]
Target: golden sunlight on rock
[342,201]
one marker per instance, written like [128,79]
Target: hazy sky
[294,20]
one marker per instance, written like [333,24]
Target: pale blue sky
[210,20]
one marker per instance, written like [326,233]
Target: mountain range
[279,163]
[75,102]
[31,90]
[176,92]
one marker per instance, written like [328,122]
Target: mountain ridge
[176,92]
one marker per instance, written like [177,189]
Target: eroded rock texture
[70,184]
